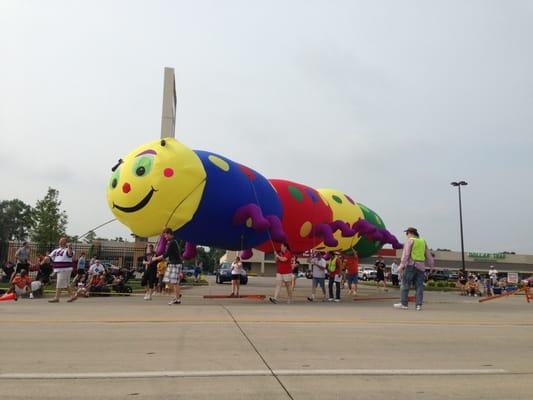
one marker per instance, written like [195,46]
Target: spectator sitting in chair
[80,285]
[502,284]
[21,285]
[472,287]
[96,268]
[97,284]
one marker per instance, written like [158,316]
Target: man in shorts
[172,274]
[318,265]
[62,263]
[352,271]
[284,273]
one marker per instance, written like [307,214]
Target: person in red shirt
[283,273]
[352,266]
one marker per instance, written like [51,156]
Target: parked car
[223,274]
[442,275]
[367,273]
[188,270]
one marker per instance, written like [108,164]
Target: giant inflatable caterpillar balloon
[207,199]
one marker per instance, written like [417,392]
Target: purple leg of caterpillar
[363,227]
[246,254]
[345,229]
[190,251]
[276,229]
[324,231]
[253,211]
[161,246]
[366,229]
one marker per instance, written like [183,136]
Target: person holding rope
[284,273]
[352,271]
[318,265]
[172,274]
[335,277]
[412,268]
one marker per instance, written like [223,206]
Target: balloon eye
[140,171]
[114,183]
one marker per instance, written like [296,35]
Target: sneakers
[337,300]
[174,301]
[72,299]
[330,299]
[400,306]
[147,297]
[31,295]
[53,301]
[310,299]
[419,308]
[273,300]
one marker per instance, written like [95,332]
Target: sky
[387,101]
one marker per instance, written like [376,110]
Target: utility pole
[458,185]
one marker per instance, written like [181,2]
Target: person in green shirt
[415,258]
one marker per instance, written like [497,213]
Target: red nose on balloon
[126,187]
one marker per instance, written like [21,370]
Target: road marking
[256,372]
[274,320]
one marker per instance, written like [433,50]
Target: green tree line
[44,223]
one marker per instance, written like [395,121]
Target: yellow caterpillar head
[157,185]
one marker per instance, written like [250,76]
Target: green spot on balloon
[295,193]
[337,199]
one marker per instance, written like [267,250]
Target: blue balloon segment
[229,186]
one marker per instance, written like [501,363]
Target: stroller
[120,280]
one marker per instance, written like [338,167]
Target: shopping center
[264,264]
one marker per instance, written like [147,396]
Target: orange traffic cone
[8,296]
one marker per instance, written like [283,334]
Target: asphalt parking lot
[127,348]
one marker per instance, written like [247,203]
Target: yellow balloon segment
[344,210]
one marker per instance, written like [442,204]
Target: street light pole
[459,184]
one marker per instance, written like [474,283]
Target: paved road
[126,348]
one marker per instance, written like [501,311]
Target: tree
[209,258]
[15,220]
[49,221]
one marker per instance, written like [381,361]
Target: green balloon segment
[365,247]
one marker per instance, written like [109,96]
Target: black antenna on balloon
[168,118]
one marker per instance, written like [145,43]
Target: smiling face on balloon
[157,185]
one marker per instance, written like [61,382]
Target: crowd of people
[330,273]
[91,277]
